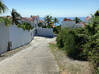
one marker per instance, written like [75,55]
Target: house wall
[46,32]
[35,22]
[4,37]
[68,24]
[19,37]
[78,25]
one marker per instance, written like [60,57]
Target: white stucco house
[71,24]
[67,23]
[33,20]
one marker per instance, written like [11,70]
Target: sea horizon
[60,19]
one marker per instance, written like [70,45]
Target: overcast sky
[58,8]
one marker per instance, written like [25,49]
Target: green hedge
[82,43]
[25,26]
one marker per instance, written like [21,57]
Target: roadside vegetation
[3,9]
[25,26]
[82,43]
[68,65]
[7,21]
[16,17]
[57,29]
[49,22]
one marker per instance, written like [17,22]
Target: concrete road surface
[36,59]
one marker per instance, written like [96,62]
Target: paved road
[36,59]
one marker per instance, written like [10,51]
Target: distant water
[60,19]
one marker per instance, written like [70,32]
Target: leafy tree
[15,16]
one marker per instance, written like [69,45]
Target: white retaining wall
[4,38]
[47,32]
[19,37]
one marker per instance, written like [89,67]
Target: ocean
[60,19]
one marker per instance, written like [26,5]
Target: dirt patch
[67,65]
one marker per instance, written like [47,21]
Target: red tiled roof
[87,18]
[41,21]
[32,18]
[65,19]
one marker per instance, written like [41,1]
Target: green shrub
[69,44]
[66,41]
[82,43]
[25,26]
[57,29]
[6,20]
[59,40]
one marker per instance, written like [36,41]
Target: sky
[56,8]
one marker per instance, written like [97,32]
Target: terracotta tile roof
[87,18]
[41,21]
[65,19]
[27,19]
[32,18]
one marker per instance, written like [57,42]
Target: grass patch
[54,49]
[66,64]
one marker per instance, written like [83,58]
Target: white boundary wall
[19,37]
[46,32]
[4,38]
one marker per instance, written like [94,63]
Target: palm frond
[3,7]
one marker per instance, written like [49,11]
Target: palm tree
[55,20]
[3,7]
[77,20]
[15,16]
[48,20]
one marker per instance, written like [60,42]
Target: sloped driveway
[35,59]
